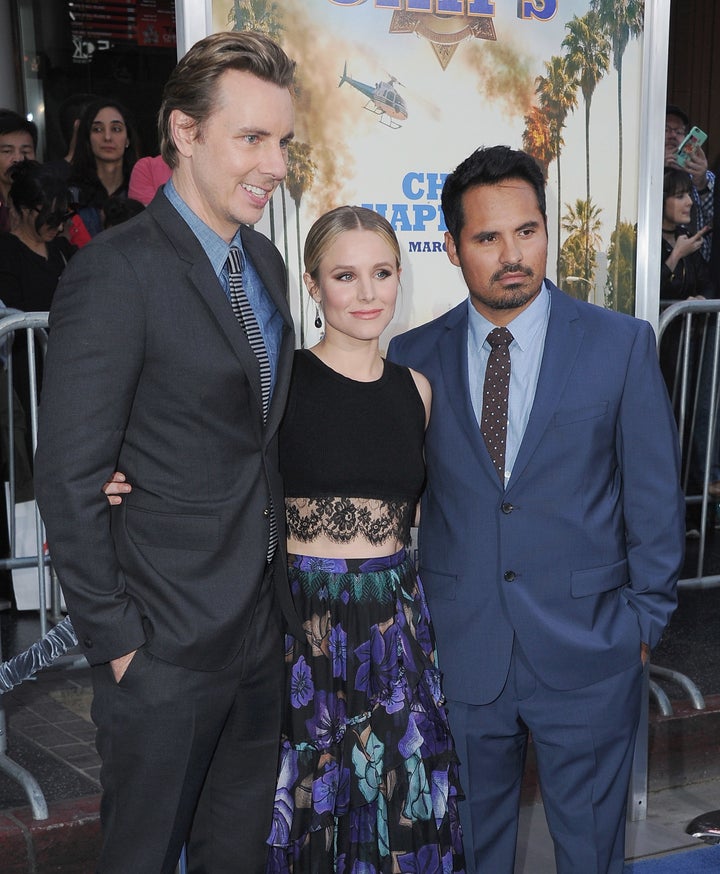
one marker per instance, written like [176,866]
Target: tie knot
[499,337]
[234,260]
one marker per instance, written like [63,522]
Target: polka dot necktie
[495,397]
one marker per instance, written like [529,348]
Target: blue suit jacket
[580,555]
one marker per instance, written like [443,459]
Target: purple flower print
[338,651]
[331,790]
[412,740]
[393,699]
[378,661]
[282,818]
[426,859]
[328,723]
[276,861]
[301,684]
[439,790]
[363,821]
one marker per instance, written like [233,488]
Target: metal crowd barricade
[693,374]
[32,328]
[694,390]
[694,386]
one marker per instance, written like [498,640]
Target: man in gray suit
[178,596]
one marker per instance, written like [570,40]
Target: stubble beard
[513,296]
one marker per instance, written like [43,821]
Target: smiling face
[357,284]
[108,135]
[229,167]
[502,248]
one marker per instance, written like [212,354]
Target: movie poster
[393,95]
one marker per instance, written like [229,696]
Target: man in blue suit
[551,576]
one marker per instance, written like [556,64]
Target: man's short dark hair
[671,109]
[12,123]
[488,166]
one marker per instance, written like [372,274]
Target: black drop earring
[318,320]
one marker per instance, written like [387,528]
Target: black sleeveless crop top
[351,453]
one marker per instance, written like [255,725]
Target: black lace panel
[345,519]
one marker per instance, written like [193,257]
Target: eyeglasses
[680,131]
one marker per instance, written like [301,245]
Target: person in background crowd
[715,246]
[551,527]
[685,275]
[677,126]
[169,356]
[33,255]
[117,210]
[70,113]
[147,176]
[105,153]
[18,141]
[23,468]
[684,272]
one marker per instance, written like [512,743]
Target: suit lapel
[562,342]
[453,351]
[202,277]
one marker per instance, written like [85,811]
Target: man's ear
[451,249]
[184,131]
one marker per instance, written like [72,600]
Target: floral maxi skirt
[368,776]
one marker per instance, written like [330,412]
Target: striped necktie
[246,316]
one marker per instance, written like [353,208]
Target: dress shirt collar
[215,247]
[523,327]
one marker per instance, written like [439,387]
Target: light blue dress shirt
[269,319]
[526,351]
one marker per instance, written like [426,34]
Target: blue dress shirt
[267,314]
[526,351]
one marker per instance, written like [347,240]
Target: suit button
[509,576]
[87,643]
[507,508]
[266,511]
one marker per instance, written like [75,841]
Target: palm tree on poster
[300,177]
[582,224]
[536,140]
[622,20]
[588,59]
[557,93]
[264,17]
[259,15]
[622,252]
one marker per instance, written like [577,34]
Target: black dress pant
[191,757]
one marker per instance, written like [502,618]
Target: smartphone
[687,147]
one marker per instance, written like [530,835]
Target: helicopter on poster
[383,99]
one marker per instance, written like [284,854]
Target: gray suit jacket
[149,372]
